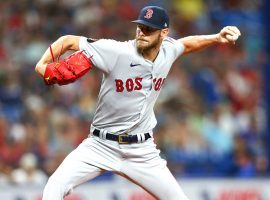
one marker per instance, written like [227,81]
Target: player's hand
[229,34]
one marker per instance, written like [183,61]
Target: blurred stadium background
[213,113]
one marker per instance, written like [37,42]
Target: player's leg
[68,175]
[151,173]
[160,183]
[83,164]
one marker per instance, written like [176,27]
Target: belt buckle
[120,138]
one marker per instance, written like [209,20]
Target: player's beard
[144,48]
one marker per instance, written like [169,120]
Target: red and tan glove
[67,70]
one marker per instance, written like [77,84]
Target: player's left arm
[228,34]
[67,70]
[60,46]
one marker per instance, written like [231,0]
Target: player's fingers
[234,30]
[230,32]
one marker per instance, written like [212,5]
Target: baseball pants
[139,162]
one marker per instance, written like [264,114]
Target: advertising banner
[203,189]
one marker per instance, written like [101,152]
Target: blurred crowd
[210,114]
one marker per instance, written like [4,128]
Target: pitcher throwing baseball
[121,137]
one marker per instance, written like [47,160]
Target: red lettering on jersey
[138,82]
[149,13]
[119,85]
[129,85]
[158,83]
[163,80]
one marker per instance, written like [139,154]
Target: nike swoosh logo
[133,65]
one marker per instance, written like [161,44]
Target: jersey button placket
[152,78]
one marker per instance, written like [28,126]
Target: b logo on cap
[149,13]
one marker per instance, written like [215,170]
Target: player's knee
[55,189]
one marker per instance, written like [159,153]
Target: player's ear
[164,32]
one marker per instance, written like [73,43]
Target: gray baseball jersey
[129,89]
[131,83]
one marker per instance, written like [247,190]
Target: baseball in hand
[232,37]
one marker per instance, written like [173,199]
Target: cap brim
[146,24]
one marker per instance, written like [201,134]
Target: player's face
[147,38]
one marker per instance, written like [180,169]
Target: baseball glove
[67,70]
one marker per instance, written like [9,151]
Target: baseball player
[121,137]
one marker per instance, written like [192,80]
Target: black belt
[122,138]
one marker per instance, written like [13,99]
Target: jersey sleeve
[176,47]
[103,53]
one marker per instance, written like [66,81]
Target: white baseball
[232,37]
